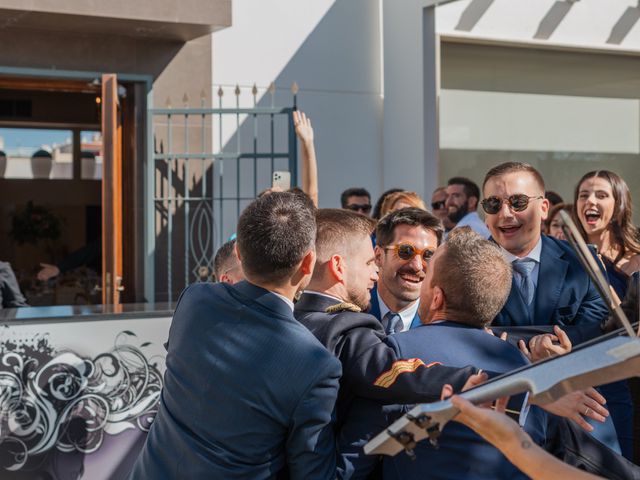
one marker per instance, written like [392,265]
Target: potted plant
[36,223]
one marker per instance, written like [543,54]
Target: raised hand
[303,127]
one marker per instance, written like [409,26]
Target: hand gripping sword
[609,358]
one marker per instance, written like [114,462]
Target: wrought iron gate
[208,164]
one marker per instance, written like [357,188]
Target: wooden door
[112,281]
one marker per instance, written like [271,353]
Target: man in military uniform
[332,306]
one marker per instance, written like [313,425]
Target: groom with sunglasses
[549,285]
[405,241]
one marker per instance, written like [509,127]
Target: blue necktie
[522,275]
[392,323]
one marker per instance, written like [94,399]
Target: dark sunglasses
[518,203]
[437,205]
[406,251]
[359,208]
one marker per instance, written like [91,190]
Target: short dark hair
[221,260]
[474,276]
[274,234]
[470,187]
[553,197]
[414,217]
[353,192]
[513,167]
[378,206]
[336,227]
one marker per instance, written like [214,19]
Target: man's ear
[473,203]
[544,205]
[336,266]
[308,262]
[437,299]
[378,251]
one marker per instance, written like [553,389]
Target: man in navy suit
[550,286]
[467,282]
[249,392]
[455,307]
[404,239]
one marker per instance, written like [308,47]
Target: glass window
[36,153]
[565,113]
[91,155]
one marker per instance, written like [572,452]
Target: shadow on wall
[338,70]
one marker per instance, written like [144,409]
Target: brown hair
[474,276]
[414,217]
[553,211]
[513,167]
[625,233]
[222,259]
[412,198]
[336,228]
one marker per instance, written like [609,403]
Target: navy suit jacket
[248,392]
[564,295]
[461,452]
[375,309]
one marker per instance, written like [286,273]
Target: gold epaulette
[344,306]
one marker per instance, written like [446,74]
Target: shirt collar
[407,315]
[532,255]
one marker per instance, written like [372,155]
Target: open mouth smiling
[411,278]
[510,229]
[592,216]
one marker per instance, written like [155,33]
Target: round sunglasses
[407,251]
[518,203]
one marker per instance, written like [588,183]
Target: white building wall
[404,154]
[368,113]
[612,25]
[609,27]
[331,48]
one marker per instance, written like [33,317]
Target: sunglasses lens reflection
[406,251]
[491,205]
[519,202]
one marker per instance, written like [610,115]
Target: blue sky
[33,137]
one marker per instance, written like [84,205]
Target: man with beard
[439,208]
[331,309]
[463,196]
[405,239]
[467,281]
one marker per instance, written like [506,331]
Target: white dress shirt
[407,315]
[532,255]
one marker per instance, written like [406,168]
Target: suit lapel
[551,275]
[515,307]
